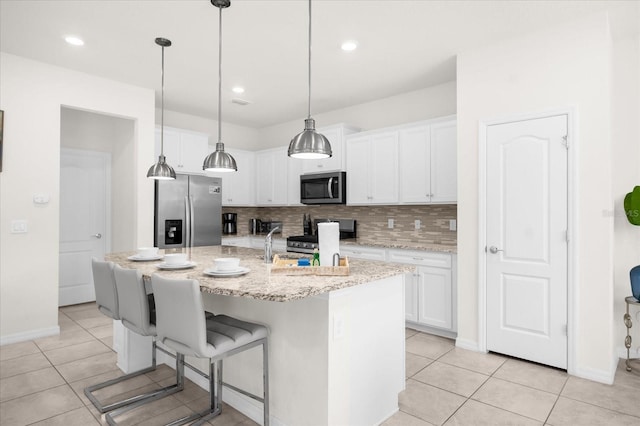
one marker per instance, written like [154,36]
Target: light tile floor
[42,382]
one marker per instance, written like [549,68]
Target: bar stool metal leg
[160,393]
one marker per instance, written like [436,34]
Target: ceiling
[403,46]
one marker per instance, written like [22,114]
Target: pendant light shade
[220,161]
[161,170]
[309,144]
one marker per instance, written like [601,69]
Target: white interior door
[84,230]
[526,260]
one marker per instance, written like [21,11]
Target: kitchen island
[336,354]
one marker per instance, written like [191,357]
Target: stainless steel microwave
[323,188]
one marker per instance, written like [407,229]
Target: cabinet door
[414,167]
[294,170]
[334,135]
[171,148]
[434,297]
[383,171]
[264,177]
[194,148]
[271,177]
[280,176]
[238,187]
[358,160]
[444,186]
[411,296]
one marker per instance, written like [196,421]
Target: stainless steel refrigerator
[188,212]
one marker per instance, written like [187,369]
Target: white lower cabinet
[430,303]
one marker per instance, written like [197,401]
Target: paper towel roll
[328,241]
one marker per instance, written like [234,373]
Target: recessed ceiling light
[238,89]
[76,41]
[349,45]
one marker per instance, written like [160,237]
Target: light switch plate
[18,226]
[390,223]
[417,223]
[453,225]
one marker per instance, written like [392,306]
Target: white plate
[234,273]
[164,265]
[138,258]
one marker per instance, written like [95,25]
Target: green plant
[632,206]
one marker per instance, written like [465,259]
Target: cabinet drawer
[420,258]
[358,252]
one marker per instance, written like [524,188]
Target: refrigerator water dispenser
[173,231]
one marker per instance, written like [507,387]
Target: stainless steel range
[306,243]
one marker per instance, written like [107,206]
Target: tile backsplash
[372,221]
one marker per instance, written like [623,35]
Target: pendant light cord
[162,106]
[220,77]
[309,104]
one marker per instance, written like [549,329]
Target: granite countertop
[405,245]
[381,243]
[259,283]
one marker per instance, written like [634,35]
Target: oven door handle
[329,187]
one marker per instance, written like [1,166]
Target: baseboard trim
[596,375]
[29,335]
[240,402]
[633,353]
[467,344]
[431,330]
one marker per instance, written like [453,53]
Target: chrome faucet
[268,251]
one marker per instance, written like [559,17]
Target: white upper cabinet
[272,186]
[444,180]
[238,187]
[184,150]
[415,169]
[336,135]
[294,170]
[428,163]
[372,168]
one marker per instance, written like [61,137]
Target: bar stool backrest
[180,317]
[133,301]
[105,287]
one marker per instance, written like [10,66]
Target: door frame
[572,245]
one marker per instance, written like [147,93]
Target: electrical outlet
[390,223]
[417,223]
[453,225]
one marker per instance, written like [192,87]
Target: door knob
[98,236]
[494,249]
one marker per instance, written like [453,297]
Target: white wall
[104,133]
[625,126]
[32,96]
[233,136]
[564,66]
[436,101]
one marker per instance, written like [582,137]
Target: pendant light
[161,170]
[309,144]
[220,161]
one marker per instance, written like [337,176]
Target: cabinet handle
[319,165]
[418,258]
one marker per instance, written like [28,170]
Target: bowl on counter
[226,263]
[175,258]
[147,252]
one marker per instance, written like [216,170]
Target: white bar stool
[182,326]
[120,295]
